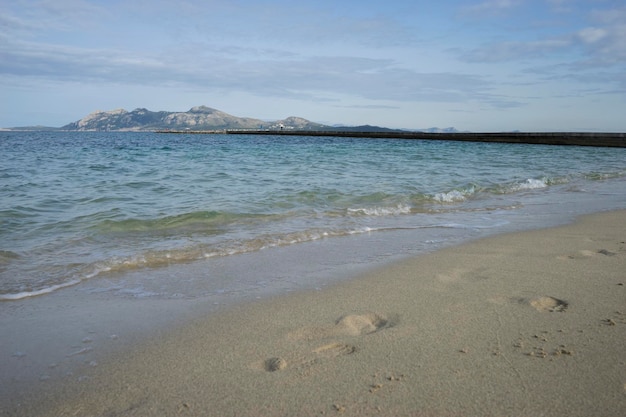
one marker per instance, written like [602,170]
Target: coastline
[525,323]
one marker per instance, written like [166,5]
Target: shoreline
[516,324]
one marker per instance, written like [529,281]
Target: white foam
[382,211]
[530,184]
[47,290]
[451,197]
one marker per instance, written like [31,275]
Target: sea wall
[537,138]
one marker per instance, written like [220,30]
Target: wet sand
[530,323]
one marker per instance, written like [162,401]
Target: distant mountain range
[197,118]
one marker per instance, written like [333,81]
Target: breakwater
[536,138]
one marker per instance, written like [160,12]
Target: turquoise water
[82,207]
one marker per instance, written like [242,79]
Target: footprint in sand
[328,351]
[361,324]
[548,304]
[348,325]
[541,303]
[275,364]
[333,350]
[583,254]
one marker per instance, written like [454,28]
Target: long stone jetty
[537,138]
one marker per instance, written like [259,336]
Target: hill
[197,118]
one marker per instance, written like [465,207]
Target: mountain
[200,118]
[362,128]
[197,118]
[439,130]
[37,128]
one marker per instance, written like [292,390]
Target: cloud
[372,32]
[490,8]
[10,24]
[591,35]
[74,64]
[603,43]
[368,107]
[508,51]
[263,72]
[314,25]
[607,39]
[562,6]
[46,15]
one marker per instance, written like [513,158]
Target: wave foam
[530,184]
[453,196]
[27,294]
[163,258]
[381,211]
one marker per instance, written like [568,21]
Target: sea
[149,215]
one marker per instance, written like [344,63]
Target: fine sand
[524,324]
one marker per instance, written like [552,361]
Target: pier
[617,140]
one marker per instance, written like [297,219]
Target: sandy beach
[523,324]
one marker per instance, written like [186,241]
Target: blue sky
[485,65]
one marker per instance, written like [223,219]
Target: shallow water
[149,215]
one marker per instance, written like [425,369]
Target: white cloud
[287,75]
[512,51]
[69,15]
[601,44]
[562,6]
[610,48]
[592,35]
[490,7]
[10,24]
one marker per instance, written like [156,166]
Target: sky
[484,65]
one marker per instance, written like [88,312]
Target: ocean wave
[463,194]
[163,258]
[599,176]
[529,184]
[33,293]
[454,196]
[199,220]
[381,211]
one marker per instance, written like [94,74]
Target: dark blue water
[77,207]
